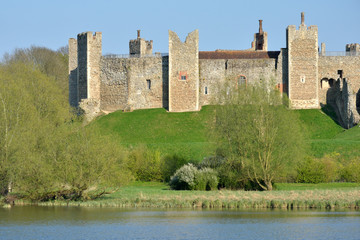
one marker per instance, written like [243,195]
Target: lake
[33,222]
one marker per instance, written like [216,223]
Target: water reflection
[114,223]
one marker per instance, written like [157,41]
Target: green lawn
[187,134]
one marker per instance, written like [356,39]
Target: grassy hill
[187,134]
[184,134]
[326,136]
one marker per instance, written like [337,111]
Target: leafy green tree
[52,63]
[256,132]
[30,104]
[44,152]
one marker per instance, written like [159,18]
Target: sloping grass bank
[326,137]
[187,134]
[158,195]
[184,134]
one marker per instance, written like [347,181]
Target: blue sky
[223,24]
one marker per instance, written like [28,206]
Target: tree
[31,107]
[45,153]
[52,63]
[254,129]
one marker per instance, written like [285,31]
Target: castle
[185,79]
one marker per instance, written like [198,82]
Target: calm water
[113,223]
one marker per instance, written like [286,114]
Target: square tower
[184,72]
[302,45]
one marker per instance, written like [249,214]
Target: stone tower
[89,56]
[302,45]
[260,39]
[140,47]
[184,72]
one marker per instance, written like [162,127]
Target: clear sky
[226,24]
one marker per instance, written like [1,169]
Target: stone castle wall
[133,83]
[188,79]
[215,72]
[328,72]
[114,84]
[184,72]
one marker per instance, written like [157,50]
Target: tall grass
[158,195]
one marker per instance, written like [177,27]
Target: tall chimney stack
[302,18]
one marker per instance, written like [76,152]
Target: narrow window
[226,64]
[206,90]
[241,80]
[302,79]
[148,82]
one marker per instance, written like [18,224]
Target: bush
[145,164]
[232,174]
[206,179]
[351,172]
[189,177]
[184,178]
[311,171]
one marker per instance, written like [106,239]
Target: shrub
[184,178]
[170,164]
[232,174]
[210,178]
[311,171]
[189,177]
[351,172]
[145,164]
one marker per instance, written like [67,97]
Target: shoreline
[334,199]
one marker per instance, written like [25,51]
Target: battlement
[352,47]
[186,79]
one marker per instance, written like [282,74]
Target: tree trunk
[269,186]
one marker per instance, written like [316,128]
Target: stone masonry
[184,72]
[186,79]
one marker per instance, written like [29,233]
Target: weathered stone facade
[186,79]
[184,72]
[302,45]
